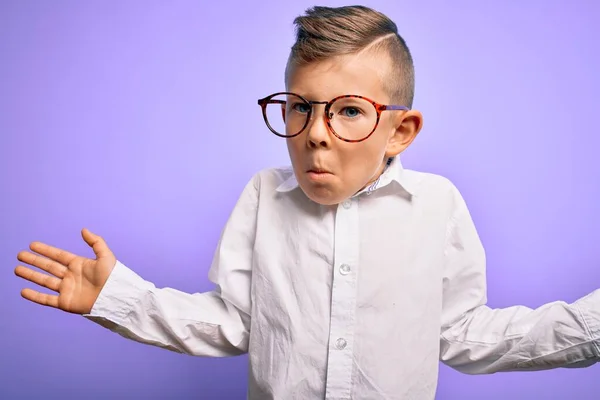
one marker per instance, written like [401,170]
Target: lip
[318,174]
[318,171]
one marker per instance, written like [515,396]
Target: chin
[324,201]
[323,195]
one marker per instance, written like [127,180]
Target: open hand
[77,280]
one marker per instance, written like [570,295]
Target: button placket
[343,301]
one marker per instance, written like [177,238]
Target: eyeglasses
[350,118]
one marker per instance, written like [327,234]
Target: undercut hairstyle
[327,32]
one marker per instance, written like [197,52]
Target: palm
[80,283]
[77,280]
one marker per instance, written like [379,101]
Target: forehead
[361,74]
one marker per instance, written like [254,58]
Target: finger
[46,264]
[47,281]
[40,298]
[96,243]
[54,253]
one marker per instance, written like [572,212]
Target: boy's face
[349,166]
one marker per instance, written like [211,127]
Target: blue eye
[351,112]
[301,107]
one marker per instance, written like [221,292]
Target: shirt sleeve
[477,339]
[211,324]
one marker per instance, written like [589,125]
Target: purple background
[139,121]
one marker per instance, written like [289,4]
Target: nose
[318,134]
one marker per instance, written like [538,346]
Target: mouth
[316,174]
[318,171]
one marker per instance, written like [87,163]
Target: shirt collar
[394,173]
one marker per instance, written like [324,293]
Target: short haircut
[326,32]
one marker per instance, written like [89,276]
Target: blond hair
[326,32]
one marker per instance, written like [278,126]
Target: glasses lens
[353,118]
[287,114]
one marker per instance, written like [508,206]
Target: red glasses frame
[379,108]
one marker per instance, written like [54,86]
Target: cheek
[292,145]
[361,161]
[296,149]
[379,143]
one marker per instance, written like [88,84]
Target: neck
[382,167]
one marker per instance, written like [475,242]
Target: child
[346,275]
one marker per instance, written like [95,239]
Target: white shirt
[355,301]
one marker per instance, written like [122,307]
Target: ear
[406,128]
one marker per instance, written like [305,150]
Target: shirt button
[347,204]
[340,343]
[345,269]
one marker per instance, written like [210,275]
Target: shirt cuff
[120,295]
[589,308]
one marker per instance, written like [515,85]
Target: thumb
[96,243]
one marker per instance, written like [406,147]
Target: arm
[476,339]
[215,323]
